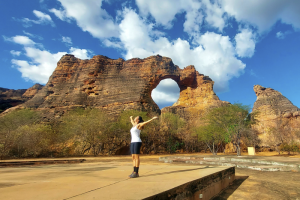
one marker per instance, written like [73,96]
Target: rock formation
[32,91]
[117,85]
[273,110]
[10,98]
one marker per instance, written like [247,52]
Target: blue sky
[237,43]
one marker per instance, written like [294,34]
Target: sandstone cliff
[117,85]
[274,110]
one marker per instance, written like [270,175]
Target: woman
[136,142]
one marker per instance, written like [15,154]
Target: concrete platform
[102,180]
[270,163]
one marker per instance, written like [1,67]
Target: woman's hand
[131,117]
[155,117]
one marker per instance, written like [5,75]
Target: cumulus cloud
[245,43]
[43,19]
[41,63]
[15,53]
[214,56]
[89,16]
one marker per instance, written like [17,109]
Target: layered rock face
[10,98]
[273,108]
[117,85]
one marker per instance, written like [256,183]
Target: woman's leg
[133,159]
[137,160]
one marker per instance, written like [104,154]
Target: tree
[88,128]
[32,140]
[213,136]
[231,121]
[9,123]
[171,125]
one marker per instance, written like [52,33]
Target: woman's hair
[140,119]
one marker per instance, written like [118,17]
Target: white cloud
[61,14]
[41,66]
[41,63]
[67,40]
[194,19]
[42,19]
[264,14]
[214,14]
[15,53]
[89,16]
[245,43]
[165,12]
[20,39]
[214,56]
[81,53]
[167,91]
[113,44]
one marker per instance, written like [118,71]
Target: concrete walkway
[108,180]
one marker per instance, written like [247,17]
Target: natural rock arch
[117,85]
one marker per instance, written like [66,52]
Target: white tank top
[135,134]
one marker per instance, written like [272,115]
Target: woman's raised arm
[131,120]
[146,122]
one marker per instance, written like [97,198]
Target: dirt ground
[251,184]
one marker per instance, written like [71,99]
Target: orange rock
[273,108]
[117,85]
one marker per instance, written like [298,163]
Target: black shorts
[135,147]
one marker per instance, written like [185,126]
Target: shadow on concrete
[225,194]
[178,171]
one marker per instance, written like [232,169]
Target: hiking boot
[134,175]
[131,174]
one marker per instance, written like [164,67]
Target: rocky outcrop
[117,85]
[11,98]
[273,110]
[32,91]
